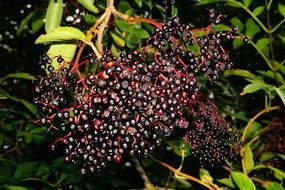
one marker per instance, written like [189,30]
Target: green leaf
[251,88]
[25,170]
[282,38]
[174,11]
[227,181]
[37,22]
[221,27]
[247,2]
[281,9]
[277,172]
[258,10]
[266,156]
[31,107]
[263,45]
[24,23]
[140,33]
[254,129]
[240,72]
[205,176]
[118,39]
[281,94]
[60,34]
[132,41]
[273,186]
[237,22]
[17,188]
[282,156]
[237,43]
[248,158]
[66,51]
[177,146]
[251,28]
[19,75]
[205,2]
[89,5]
[139,3]
[243,181]
[179,183]
[122,25]
[53,15]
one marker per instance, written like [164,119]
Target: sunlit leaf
[60,34]
[243,181]
[258,10]
[53,15]
[273,186]
[248,158]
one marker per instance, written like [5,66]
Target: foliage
[251,95]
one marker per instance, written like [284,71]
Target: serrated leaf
[118,39]
[89,5]
[248,158]
[242,181]
[53,15]
[205,176]
[262,45]
[19,75]
[247,2]
[258,10]
[251,28]
[281,9]
[251,88]
[237,22]
[273,186]
[60,34]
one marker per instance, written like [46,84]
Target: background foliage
[251,96]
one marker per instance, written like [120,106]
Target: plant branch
[278,25]
[249,124]
[186,176]
[147,183]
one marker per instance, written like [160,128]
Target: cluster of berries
[135,100]
[210,137]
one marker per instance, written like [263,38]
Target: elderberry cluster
[210,137]
[133,101]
